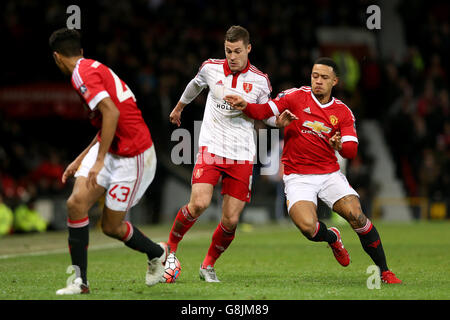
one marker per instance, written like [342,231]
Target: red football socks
[183,222]
[221,239]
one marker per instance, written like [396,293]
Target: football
[173,269]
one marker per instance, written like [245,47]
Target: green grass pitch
[264,262]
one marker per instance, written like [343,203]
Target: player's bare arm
[110,118]
[175,115]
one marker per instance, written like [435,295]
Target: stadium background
[395,80]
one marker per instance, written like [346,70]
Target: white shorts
[124,178]
[329,187]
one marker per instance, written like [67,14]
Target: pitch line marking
[111,245]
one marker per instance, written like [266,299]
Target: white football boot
[76,287]
[208,274]
[156,267]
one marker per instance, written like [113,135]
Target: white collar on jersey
[78,61]
[322,105]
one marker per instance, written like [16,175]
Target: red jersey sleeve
[349,149]
[347,127]
[269,109]
[92,87]
[281,102]
[258,111]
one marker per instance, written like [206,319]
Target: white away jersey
[227,132]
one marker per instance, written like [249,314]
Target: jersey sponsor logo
[317,127]
[247,87]
[334,120]
[225,106]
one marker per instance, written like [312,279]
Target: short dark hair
[328,62]
[66,42]
[236,33]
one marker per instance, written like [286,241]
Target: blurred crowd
[417,120]
[157,46]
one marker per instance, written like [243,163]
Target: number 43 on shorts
[119,193]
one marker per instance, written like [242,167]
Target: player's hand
[70,171]
[175,116]
[285,119]
[92,175]
[336,141]
[235,101]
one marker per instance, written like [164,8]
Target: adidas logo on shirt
[307,110]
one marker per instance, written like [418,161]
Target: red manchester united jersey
[306,149]
[94,81]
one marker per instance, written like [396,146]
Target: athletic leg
[222,236]
[114,226]
[201,195]
[350,209]
[304,216]
[225,231]
[78,205]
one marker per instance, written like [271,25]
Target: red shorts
[236,174]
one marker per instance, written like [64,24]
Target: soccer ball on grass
[172,269]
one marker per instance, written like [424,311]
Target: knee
[198,206]
[111,230]
[74,205]
[230,222]
[307,227]
[350,208]
[356,218]
[309,230]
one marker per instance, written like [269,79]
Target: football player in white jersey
[226,144]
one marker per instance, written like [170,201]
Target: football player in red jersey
[324,125]
[119,164]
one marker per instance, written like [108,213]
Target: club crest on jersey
[334,120]
[198,173]
[317,126]
[247,87]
